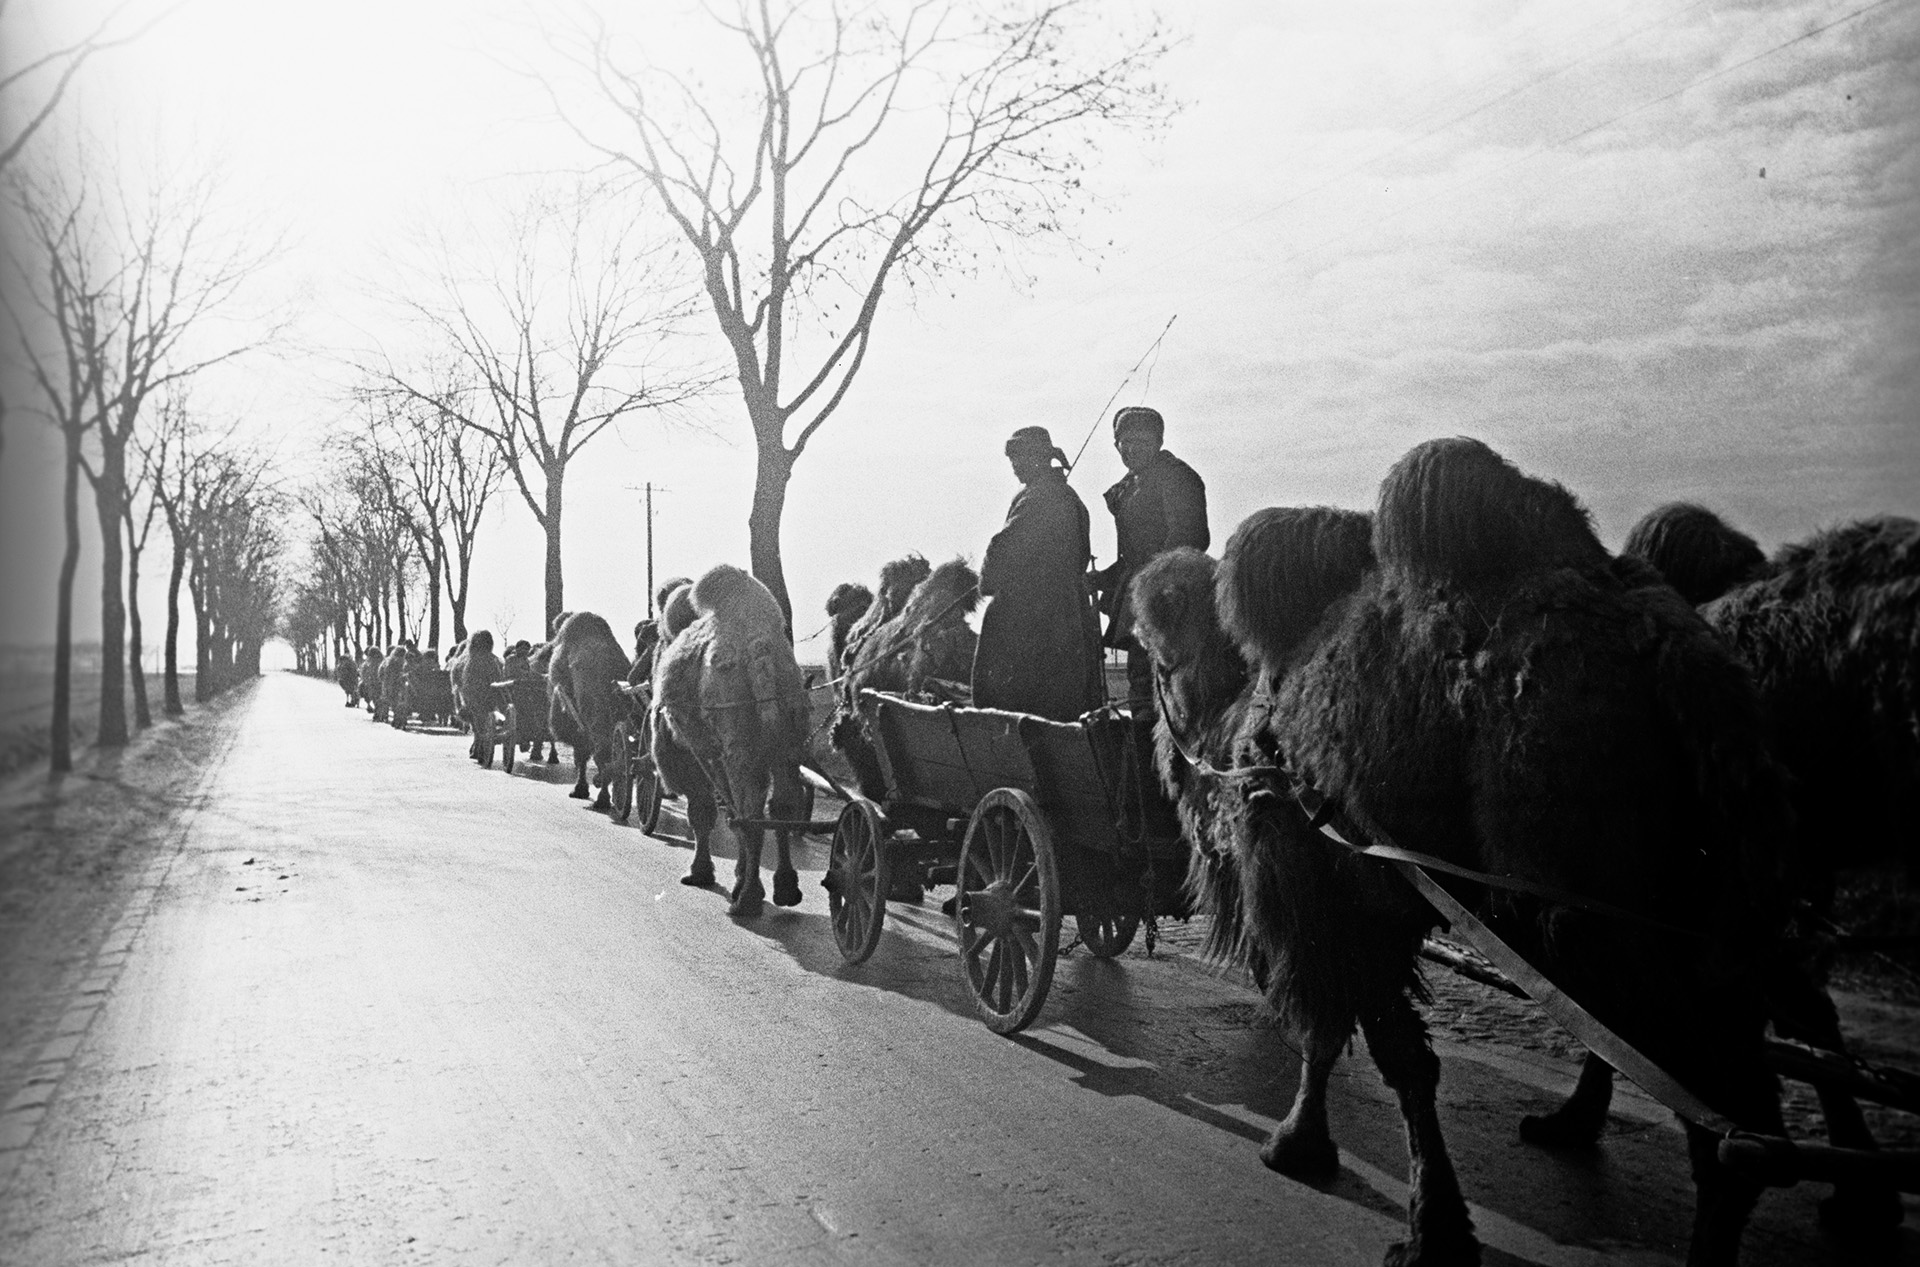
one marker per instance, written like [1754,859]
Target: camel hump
[953,586]
[849,599]
[734,598]
[581,628]
[1455,510]
[1281,570]
[903,574]
[1695,551]
[480,641]
[1867,553]
[1173,609]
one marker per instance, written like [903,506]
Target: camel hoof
[579,793]
[1565,1127]
[786,888]
[1309,1157]
[699,876]
[749,902]
[603,801]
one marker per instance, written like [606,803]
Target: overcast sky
[1654,250]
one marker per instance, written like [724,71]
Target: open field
[26,700]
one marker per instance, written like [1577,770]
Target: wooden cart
[1032,820]
[523,707]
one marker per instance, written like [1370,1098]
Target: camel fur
[927,641]
[370,681]
[479,668]
[1485,694]
[1699,553]
[584,663]
[848,602]
[730,724]
[897,581]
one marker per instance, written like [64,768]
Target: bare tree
[123,287]
[568,333]
[877,141]
[452,472]
[33,90]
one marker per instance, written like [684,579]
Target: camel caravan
[1636,775]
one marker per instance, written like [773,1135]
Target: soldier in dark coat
[1162,503]
[1039,648]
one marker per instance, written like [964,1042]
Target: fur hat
[1138,418]
[1034,440]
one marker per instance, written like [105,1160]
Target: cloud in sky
[1378,222]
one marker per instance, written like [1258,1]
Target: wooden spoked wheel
[857,879]
[510,738]
[620,787]
[1006,910]
[1107,935]
[647,792]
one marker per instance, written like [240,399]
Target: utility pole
[648,489]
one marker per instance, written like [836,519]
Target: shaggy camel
[370,680]
[927,641]
[848,602]
[1831,633]
[393,681]
[1483,694]
[897,580]
[730,721]
[478,669]
[346,674]
[584,663]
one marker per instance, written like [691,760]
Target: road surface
[362,1001]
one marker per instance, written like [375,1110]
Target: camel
[478,669]
[897,580]
[848,602]
[346,674]
[393,681]
[584,662]
[1830,630]
[730,721]
[925,648]
[370,681]
[1482,693]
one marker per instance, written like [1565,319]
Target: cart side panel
[946,758]
[1070,786]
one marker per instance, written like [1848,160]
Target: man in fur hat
[1162,503]
[1039,649]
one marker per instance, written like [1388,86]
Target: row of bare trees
[115,298]
[393,522]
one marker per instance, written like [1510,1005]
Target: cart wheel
[647,792]
[620,787]
[1006,910]
[1107,935]
[509,738]
[857,879]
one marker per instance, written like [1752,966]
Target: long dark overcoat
[1154,509]
[1039,646]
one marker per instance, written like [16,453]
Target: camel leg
[1722,1203]
[1436,1212]
[789,799]
[749,894]
[602,776]
[1302,1147]
[579,792]
[1578,1122]
[1863,1215]
[701,816]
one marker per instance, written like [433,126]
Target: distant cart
[428,695]
[1031,820]
[523,707]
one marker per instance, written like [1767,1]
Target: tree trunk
[172,685]
[457,590]
[433,597]
[136,672]
[771,474]
[62,736]
[203,688]
[108,492]
[556,597]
